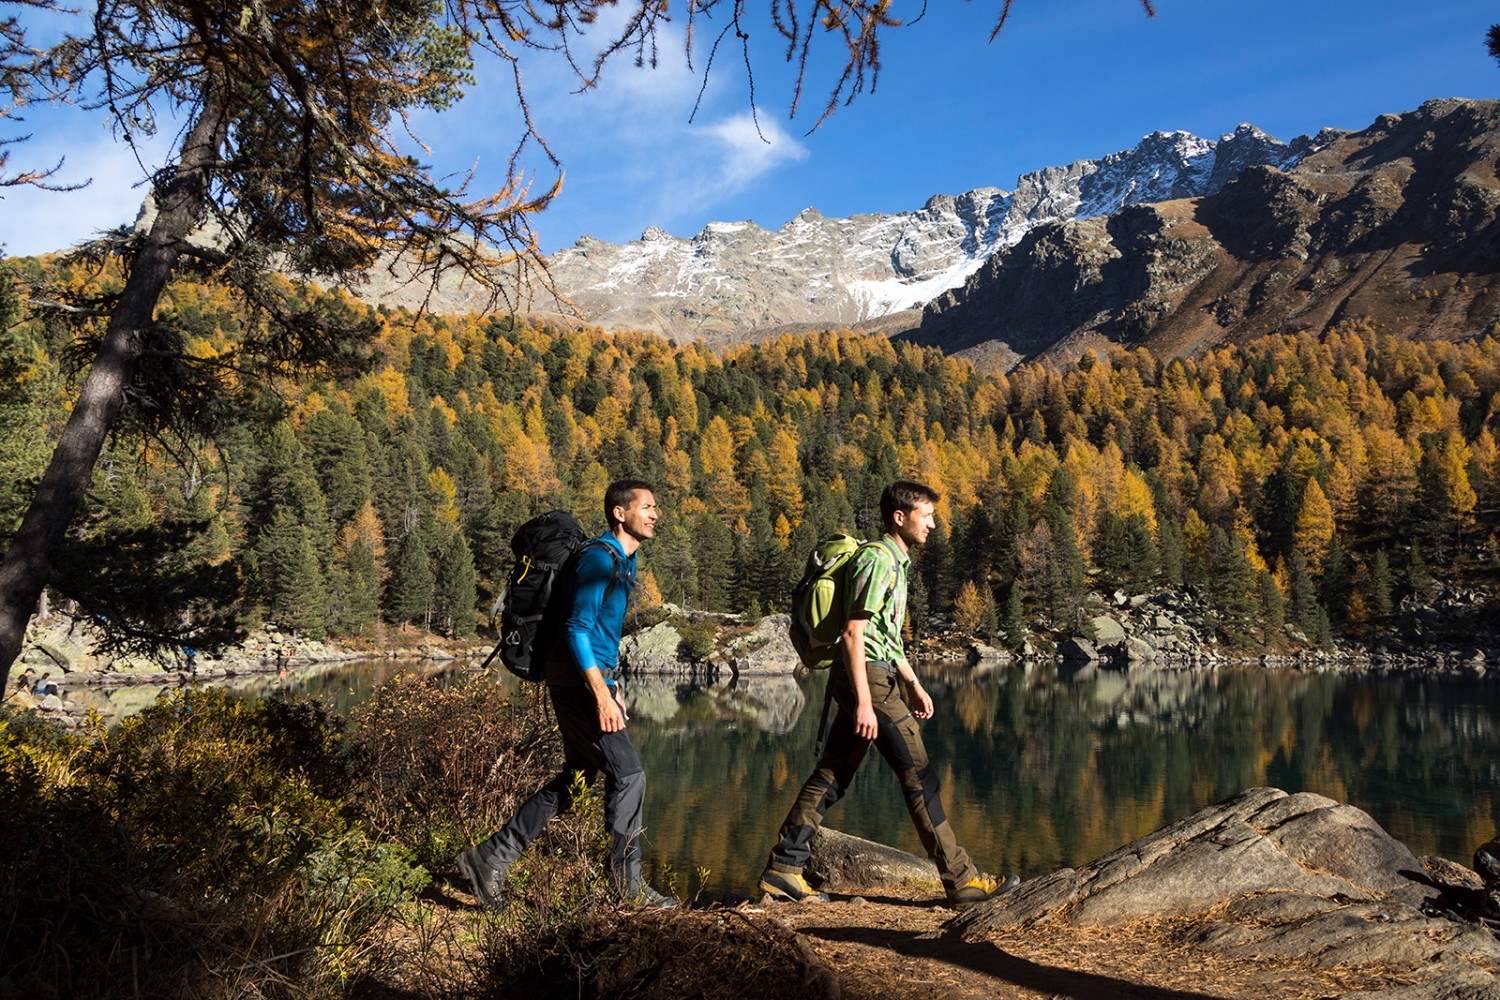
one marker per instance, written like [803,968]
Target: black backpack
[533,604]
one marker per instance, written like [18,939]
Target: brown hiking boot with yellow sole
[790,886]
[980,888]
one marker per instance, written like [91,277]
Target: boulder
[47,654]
[1107,631]
[841,862]
[1487,862]
[652,650]
[1278,877]
[982,651]
[765,649]
[1078,650]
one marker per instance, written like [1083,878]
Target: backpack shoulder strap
[617,576]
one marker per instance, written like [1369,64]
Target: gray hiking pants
[587,750]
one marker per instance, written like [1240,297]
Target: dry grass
[448,948]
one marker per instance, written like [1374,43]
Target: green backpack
[818,601]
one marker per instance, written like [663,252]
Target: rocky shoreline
[1130,634]
[64,650]
[1298,885]
[1166,630]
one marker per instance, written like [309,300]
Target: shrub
[186,853]
[699,638]
[437,767]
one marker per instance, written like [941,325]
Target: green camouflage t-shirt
[877,584]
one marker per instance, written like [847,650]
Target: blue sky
[1065,80]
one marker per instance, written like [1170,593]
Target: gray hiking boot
[486,882]
[648,898]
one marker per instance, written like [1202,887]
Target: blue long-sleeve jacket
[597,616]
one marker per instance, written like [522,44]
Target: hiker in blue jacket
[591,717]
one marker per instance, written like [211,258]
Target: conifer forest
[1311,481]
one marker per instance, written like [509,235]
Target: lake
[1049,769]
[1043,768]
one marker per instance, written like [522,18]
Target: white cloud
[748,150]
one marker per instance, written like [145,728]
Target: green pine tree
[455,593]
[1418,576]
[1112,553]
[714,553]
[1173,555]
[292,583]
[1014,625]
[362,605]
[409,589]
[1307,613]
[1272,604]
[1231,586]
[1145,560]
[1337,584]
[1381,585]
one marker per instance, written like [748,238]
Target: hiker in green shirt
[868,681]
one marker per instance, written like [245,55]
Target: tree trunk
[28,561]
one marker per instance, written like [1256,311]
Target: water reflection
[773,704]
[1043,770]
[341,685]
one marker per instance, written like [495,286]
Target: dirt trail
[888,944]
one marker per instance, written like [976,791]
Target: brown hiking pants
[899,741]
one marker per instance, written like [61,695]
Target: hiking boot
[789,886]
[648,898]
[485,881]
[980,888]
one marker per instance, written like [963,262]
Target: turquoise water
[1042,769]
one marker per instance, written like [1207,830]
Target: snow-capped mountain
[1393,228]
[736,280]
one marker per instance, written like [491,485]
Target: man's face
[912,526]
[639,519]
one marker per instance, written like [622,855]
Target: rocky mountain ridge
[736,280]
[1177,245]
[1395,225]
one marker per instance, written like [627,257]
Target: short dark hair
[621,493]
[904,495]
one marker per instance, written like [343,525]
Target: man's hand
[611,717]
[919,699]
[865,726]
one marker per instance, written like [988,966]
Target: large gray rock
[765,649]
[652,650]
[1107,631]
[841,862]
[1078,650]
[1273,876]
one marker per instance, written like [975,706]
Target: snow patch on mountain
[734,278]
